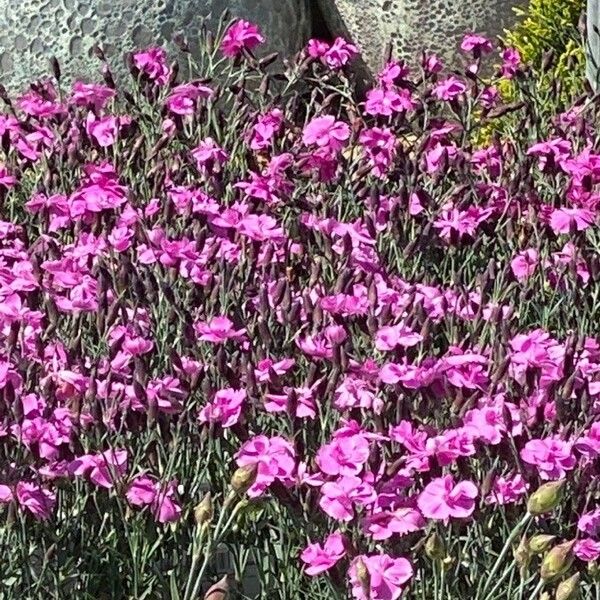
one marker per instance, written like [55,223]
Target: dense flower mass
[372,340]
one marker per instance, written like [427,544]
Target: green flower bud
[540,543]
[243,478]
[363,576]
[203,513]
[522,554]
[434,547]
[568,589]
[594,570]
[557,561]
[546,498]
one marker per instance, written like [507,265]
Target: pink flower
[144,491]
[590,523]
[183,99]
[321,558]
[507,490]
[275,459]
[392,73]
[552,456]
[153,63]
[587,550]
[208,154]
[524,264]
[386,577]
[449,89]
[380,148]
[225,409]
[401,521]
[141,491]
[326,132]
[267,126]
[91,95]
[241,35]
[389,338]
[563,220]
[338,497]
[218,330]
[345,455]
[105,130]
[511,62]
[339,53]
[386,102]
[442,499]
[476,44]
[103,469]
[317,48]
[37,500]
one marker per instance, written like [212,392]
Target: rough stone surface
[415,25]
[31,31]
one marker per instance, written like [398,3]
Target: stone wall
[414,25]
[31,31]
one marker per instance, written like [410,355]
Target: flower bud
[203,513]
[243,478]
[522,554]
[539,544]
[545,498]
[545,596]
[363,576]
[594,570]
[568,589]
[434,547]
[557,561]
[448,563]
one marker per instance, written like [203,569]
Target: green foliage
[547,25]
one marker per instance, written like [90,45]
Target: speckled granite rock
[414,25]
[31,31]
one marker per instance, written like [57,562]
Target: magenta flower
[225,408]
[321,558]
[145,491]
[565,220]
[380,148]
[326,132]
[386,102]
[275,459]
[339,497]
[476,44]
[511,62]
[91,95]
[589,523]
[507,490]
[153,63]
[401,521]
[241,35]
[442,499]
[339,53]
[587,550]
[552,457]
[37,500]
[103,469]
[449,89]
[524,264]
[218,330]
[389,338]
[345,455]
[386,579]
[208,154]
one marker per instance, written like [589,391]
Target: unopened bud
[546,498]
[203,513]
[243,478]
[568,589]
[434,547]
[363,576]
[557,561]
[522,554]
[544,596]
[539,544]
